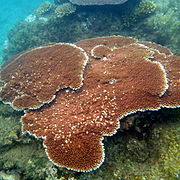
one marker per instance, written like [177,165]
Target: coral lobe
[121,77]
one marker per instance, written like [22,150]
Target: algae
[64,24]
[28,160]
[9,126]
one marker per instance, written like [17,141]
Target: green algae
[29,160]
[9,125]
[6,176]
[21,156]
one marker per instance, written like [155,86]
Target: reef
[44,8]
[35,91]
[64,10]
[148,150]
[9,133]
[143,154]
[97,2]
[15,146]
[101,81]
[145,20]
[145,8]
[146,145]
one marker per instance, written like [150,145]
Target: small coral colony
[73,95]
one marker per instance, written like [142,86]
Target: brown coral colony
[33,78]
[91,86]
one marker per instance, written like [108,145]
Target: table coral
[172,66]
[145,8]
[97,2]
[44,8]
[32,78]
[64,10]
[122,76]
[131,157]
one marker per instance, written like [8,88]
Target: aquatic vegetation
[124,80]
[33,161]
[9,126]
[4,175]
[97,2]
[64,9]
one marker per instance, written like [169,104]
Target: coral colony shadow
[91,85]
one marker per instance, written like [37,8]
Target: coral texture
[122,76]
[44,8]
[64,9]
[145,8]
[32,78]
[172,65]
[97,2]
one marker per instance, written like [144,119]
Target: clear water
[11,12]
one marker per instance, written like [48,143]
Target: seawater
[11,12]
